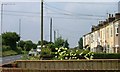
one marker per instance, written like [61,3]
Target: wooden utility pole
[41,24]
[50,29]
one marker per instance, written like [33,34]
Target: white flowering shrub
[62,53]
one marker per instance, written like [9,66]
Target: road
[9,59]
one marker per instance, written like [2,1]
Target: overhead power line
[22,12]
[71,13]
[83,18]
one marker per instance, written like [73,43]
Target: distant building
[105,37]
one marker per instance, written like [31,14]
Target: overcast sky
[70,19]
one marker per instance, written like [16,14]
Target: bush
[5,48]
[9,53]
[45,51]
[19,50]
[106,56]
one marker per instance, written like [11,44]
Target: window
[117,30]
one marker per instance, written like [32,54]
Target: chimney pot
[109,15]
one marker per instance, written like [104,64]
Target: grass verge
[9,53]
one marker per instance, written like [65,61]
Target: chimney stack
[110,18]
[117,15]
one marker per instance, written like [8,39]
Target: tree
[66,44]
[59,42]
[34,46]
[80,43]
[10,39]
[21,44]
[44,42]
[28,45]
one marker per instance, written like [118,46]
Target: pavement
[8,59]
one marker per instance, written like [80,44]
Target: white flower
[55,56]
[56,48]
[66,58]
[60,54]
[81,53]
[55,52]
[73,57]
[64,51]
[59,50]
[65,48]
[67,54]
[76,50]
[61,59]
[62,48]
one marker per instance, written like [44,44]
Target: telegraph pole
[50,29]
[41,24]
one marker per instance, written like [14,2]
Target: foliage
[61,53]
[21,44]
[66,44]
[5,48]
[19,50]
[59,42]
[44,42]
[28,45]
[10,39]
[107,56]
[80,43]
[64,53]
[34,46]
[51,46]
[46,51]
[9,53]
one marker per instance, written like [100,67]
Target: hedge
[95,56]
[106,56]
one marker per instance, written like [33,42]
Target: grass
[26,57]
[9,53]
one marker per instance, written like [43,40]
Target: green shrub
[19,50]
[107,56]
[5,48]
[46,51]
[9,53]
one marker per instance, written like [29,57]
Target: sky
[71,20]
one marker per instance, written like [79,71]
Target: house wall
[106,36]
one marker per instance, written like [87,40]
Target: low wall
[35,70]
[100,64]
